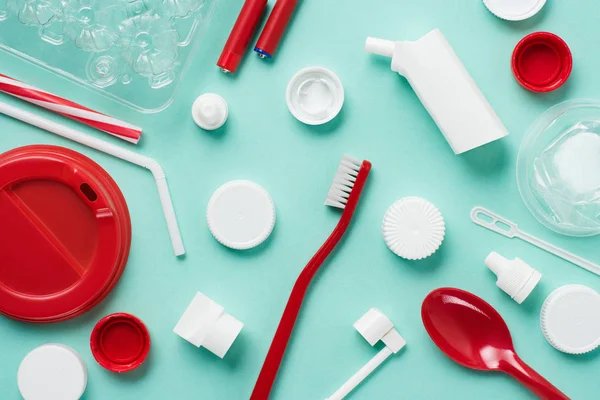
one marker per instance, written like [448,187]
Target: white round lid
[210,111]
[315,95]
[241,215]
[413,228]
[570,319]
[52,372]
[514,10]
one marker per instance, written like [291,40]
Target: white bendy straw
[115,151]
[498,224]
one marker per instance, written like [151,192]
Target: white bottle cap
[514,10]
[375,326]
[205,323]
[515,277]
[210,111]
[413,228]
[570,319]
[52,372]
[315,95]
[241,215]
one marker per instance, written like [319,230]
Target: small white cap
[570,319]
[515,277]
[205,323]
[514,10]
[241,215]
[315,95]
[210,111]
[375,326]
[413,228]
[52,372]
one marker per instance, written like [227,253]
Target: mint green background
[382,121]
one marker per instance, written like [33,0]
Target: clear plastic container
[134,51]
[558,168]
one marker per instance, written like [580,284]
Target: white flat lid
[52,372]
[514,10]
[315,95]
[570,319]
[241,215]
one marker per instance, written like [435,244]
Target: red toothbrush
[344,193]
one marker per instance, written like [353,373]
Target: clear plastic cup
[558,168]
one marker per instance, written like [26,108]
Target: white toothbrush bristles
[343,182]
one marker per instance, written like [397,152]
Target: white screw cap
[515,277]
[241,215]
[205,323]
[514,10]
[570,319]
[52,372]
[375,326]
[210,111]
[413,228]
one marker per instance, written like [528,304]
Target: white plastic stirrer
[115,151]
[509,229]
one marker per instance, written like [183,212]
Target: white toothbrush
[509,229]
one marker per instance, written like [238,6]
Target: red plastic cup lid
[120,342]
[65,235]
[542,62]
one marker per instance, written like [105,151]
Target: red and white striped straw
[113,126]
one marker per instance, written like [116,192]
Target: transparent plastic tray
[134,51]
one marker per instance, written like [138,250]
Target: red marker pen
[275,27]
[240,35]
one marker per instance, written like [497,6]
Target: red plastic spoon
[472,333]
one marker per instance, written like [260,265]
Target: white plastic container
[445,88]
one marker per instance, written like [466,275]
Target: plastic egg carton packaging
[135,51]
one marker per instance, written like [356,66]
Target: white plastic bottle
[445,88]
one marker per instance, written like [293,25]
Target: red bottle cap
[542,62]
[65,234]
[120,342]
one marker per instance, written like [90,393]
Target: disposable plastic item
[472,333]
[120,342]
[498,224]
[445,88]
[558,168]
[205,323]
[413,228]
[115,151]
[514,10]
[241,215]
[344,193]
[65,234]
[542,62]
[275,27]
[515,277]
[135,52]
[52,372]
[241,34]
[315,95]
[210,111]
[69,109]
[570,319]
[373,326]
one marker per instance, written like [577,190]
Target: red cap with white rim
[542,62]
[120,342]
